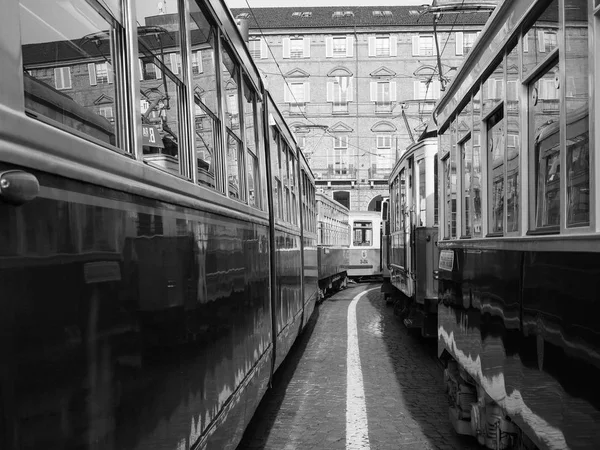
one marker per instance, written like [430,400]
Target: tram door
[410,226]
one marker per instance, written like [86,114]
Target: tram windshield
[363,233]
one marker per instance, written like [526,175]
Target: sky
[302,3]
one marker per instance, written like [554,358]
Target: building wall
[367,166]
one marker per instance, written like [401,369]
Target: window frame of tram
[465,158]
[170,154]
[556,146]
[206,108]
[71,113]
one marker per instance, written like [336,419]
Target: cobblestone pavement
[406,405]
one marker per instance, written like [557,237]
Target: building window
[427,90]
[296,48]
[383,93]
[384,141]
[107,113]
[62,78]
[382,46]
[148,70]
[339,46]
[258,48]
[422,45]
[465,41]
[297,93]
[196,62]
[340,155]
[102,73]
[339,93]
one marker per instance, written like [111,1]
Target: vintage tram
[158,227]
[411,244]
[364,251]
[519,242]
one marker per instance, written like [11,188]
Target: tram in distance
[158,224]
[519,229]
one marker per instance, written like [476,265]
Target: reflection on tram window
[467,173]
[68,71]
[495,150]
[542,38]
[253,180]
[577,106]
[451,183]
[231,75]
[363,233]
[203,55]
[493,89]
[234,148]
[205,125]
[274,148]
[159,36]
[512,141]
[544,115]
[475,195]
[422,212]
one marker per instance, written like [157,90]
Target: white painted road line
[357,427]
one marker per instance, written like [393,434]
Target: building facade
[357,84]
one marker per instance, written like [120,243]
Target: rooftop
[363,16]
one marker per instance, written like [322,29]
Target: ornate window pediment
[339,72]
[383,72]
[383,127]
[340,128]
[297,73]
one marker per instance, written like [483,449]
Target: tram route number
[364,261]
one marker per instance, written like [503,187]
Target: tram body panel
[156,316]
[532,347]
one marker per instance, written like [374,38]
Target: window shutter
[371,45]
[109,70]
[92,72]
[158,72]
[141,68]
[328,47]
[459,43]
[392,91]
[199,59]
[349,46]
[174,67]
[306,92]
[330,91]
[286,47]
[526,43]
[67,78]
[416,89]
[492,88]
[415,45]
[373,91]
[541,43]
[57,79]
[264,50]
[393,46]
[350,91]
[286,93]
[307,47]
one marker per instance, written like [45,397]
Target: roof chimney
[242,23]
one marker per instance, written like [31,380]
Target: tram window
[161,89]
[277,193]
[250,138]
[513,141]
[436,194]
[422,194]
[206,129]
[545,142]
[363,233]
[495,149]
[293,189]
[541,39]
[203,34]
[577,110]
[234,172]
[493,89]
[63,91]
[231,75]
[451,183]
[476,194]
[466,154]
